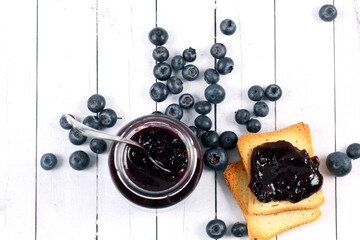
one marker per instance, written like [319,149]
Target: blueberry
[162,71]
[328,13]
[202,107]
[242,116]
[93,122]
[273,92]
[225,65]
[216,228]
[64,124]
[157,113]
[160,54]
[158,92]
[48,161]
[218,50]
[261,109]
[353,151]
[174,110]
[228,139]
[203,122]
[158,36]
[79,160]
[253,125]
[256,93]
[108,117]
[189,54]
[175,85]
[227,26]
[338,163]
[210,139]
[216,158]
[190,72]
[76,137]
[177,62]
[215,93]
[186,100]
[98,145]
[239,229]
[96,103]
[194,130]
[211,76]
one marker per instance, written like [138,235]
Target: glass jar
[133,186]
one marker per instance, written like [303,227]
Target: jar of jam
[171,143]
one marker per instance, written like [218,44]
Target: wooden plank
[18,119]
[125,76]
[252,49]
[347,72]
[193,27]
[305,72]
[66,199]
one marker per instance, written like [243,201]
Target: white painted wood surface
[55,54]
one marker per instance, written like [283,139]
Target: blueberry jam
[163,146]
[280,171]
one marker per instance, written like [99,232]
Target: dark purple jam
[165,147]
[280,171]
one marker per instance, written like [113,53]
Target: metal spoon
[90,132]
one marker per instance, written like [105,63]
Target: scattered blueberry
[157,112]
[108,117]
[353,151]
[93,122]
[202,107]
[177,62]
[64,124]
[253,125]
[228,139]
[215,93]
[174,110]
[227,26]
[194,130]
[225,65]
[158,36]
[175,85]
[261,109]
[338,163]
[242,116]
[239,229]
[216,228]
[211,76]
[203,122]
[210,139]
[48,161]
[186,100]
[256,93]
[162,71]
[98,146]
[76,137]
[216,158]
[273,92]
[328,13]
[79,160]
[160,54]
[189,54]
[96,103]
[190,72]
[218,50]
[158,92]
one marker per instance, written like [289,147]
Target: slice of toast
[263,227]
[299,136]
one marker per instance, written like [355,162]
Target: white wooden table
[55,54]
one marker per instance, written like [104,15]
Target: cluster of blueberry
[216,229]
[105,118]
[339,163]
[256,93]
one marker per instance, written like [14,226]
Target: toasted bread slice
[299,136]
[263,227]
